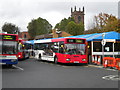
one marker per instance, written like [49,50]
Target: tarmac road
[31,73]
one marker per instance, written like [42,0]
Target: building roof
[43,36]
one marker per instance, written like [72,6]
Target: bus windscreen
[8,47]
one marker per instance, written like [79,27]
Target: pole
[103,35]
[103,51]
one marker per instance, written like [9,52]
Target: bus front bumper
[8,61]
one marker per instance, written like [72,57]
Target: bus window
[75,49]
[9,47]
[20,47]
[55,47]
[61,47]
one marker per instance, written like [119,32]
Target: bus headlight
[83,59]
[19,56]
[67,59]
[13,60]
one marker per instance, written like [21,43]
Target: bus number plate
[76,61]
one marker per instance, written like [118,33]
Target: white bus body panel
[43,57]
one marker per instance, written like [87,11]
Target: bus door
[48,52]
[61,55]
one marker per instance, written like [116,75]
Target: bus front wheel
[55,60]
[9,65]
[40,57]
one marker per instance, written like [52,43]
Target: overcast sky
[21,12]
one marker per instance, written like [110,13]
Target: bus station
[63,44]
[99,45]
[81,55]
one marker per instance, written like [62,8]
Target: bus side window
[61,47]
[55,47]
[61,50]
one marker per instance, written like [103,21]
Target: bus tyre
[40,57]
[9,65]
[55,60]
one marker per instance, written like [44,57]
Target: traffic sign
[103,42]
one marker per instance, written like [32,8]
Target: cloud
[21,12]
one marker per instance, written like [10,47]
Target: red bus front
[72,51]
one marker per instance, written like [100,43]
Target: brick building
[54,34]
[24,36]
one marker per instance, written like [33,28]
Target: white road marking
[111,77]
[102,67]
[95,66]
[65,66]
[112,69]
[18,67]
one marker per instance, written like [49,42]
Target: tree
[75,29]
[63,23]
[104,23]
[10,28]
[38,26]
[118,29]
[69,26]
[111,25]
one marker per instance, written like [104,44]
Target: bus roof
[43,41]
[8,37]
[64,39]
[54,40]
[7,34]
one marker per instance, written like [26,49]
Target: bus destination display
[75,41]
[7,37]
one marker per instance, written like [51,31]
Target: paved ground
[31,73]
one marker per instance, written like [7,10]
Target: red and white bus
[63,50]
[9,51]
[23,52]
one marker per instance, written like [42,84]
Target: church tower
[78,15]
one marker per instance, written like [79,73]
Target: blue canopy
[109,35]
[91,37]
[98,36]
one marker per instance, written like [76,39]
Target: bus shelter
[101,45]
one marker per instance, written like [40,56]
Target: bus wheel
[55,60]
[9,65]
[40,57]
